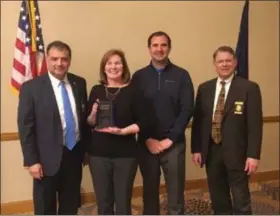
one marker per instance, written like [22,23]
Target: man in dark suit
[227,134]
[53,133]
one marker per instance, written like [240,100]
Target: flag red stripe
[20,45]
[19,67]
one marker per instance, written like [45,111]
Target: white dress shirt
[218,89]
[56,84]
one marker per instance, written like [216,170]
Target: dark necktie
[218,115]
[70,136]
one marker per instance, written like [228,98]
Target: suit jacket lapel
[76,96]
[50,96]
[231,96]
[211,95]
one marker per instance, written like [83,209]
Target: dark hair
[158,34]
[61,46]
[104,60]
[227,49]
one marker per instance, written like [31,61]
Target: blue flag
[243,44]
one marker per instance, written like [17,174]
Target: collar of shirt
[56,82]
[227,81]
[159,70]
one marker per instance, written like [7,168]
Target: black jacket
[169,97]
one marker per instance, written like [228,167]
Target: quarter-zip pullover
[170,94]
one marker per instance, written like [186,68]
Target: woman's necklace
[111,96]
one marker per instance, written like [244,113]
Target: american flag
[29,58]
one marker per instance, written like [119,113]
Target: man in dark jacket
[227,134]
[53,133]
[169,93]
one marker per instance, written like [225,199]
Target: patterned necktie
[218,115]
[70,136]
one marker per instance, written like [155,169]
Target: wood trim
[270,119]
[265,176]
[9,136]
[27,205]
[14,135]
[19,207]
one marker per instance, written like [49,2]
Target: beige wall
[91,28]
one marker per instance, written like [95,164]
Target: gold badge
[238,107]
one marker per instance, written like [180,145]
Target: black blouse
[127,106]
